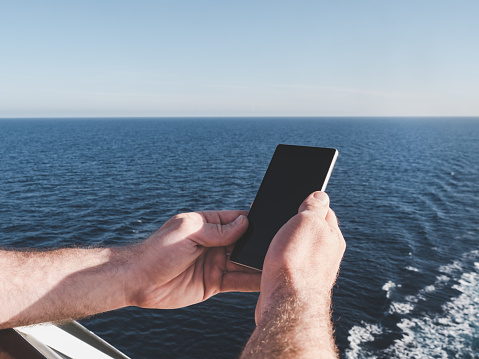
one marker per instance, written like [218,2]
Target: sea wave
[451,332]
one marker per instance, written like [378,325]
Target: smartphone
[292,175]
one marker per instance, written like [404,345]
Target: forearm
[56,285]
[296,326]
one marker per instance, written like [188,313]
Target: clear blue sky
[239,58]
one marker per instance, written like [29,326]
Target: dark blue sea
[406,192]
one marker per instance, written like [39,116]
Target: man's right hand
[293,313]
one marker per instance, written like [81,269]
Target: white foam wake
[448,334]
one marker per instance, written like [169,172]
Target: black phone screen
[293,173]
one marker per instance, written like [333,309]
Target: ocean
[406,192]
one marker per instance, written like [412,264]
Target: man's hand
[187,261]
[184,262]
[293,313]
[305,254]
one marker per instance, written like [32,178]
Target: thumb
[316,201]
[220,235]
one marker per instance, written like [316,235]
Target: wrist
[123,259]
[110,272]
[293,286]
[310,303]
[294,323]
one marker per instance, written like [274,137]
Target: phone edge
[333,162]
[244,265]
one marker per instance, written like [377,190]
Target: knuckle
[313,223]
[180,216]
[308,218]
[179,221]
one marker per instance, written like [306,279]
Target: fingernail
[321,197]
[238,220]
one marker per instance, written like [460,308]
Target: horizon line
[238,117]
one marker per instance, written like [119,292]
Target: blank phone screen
[292,175]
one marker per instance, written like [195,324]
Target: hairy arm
[293,313]
[60,284]
[295,327]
